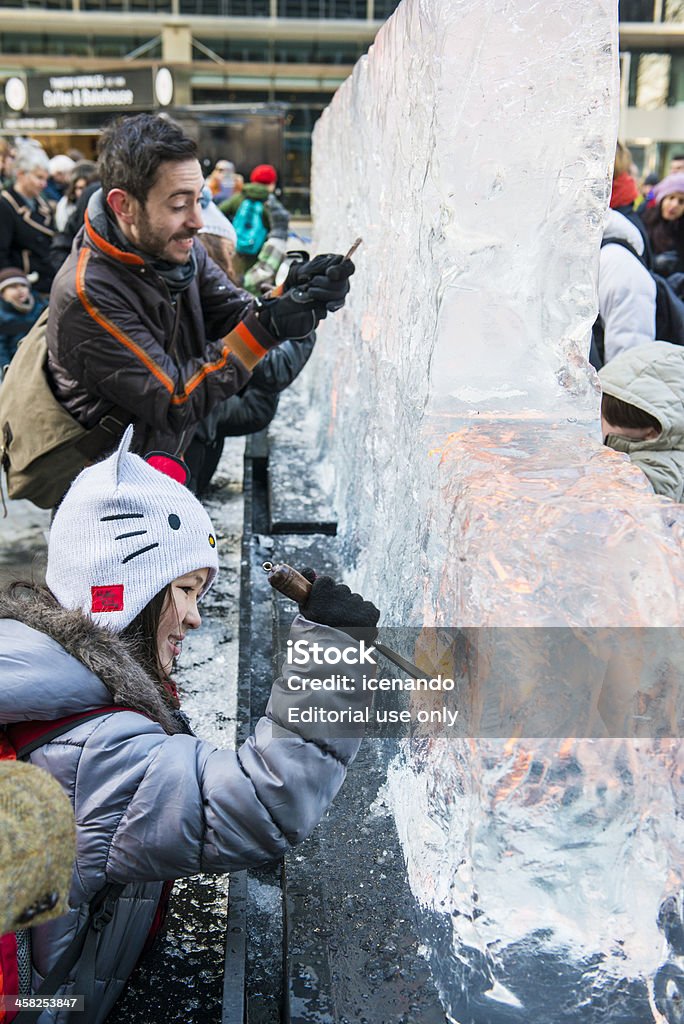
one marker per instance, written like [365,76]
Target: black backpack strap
[83,948]
[625,245]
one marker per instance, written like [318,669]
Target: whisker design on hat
[122,515]
[134,533]
[141,551]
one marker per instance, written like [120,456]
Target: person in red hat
[19,310]
[257,216]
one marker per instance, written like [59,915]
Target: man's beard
[154,243]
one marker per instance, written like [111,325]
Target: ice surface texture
[471,149]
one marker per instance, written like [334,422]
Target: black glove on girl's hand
[333,604]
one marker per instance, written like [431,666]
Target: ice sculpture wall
[471,150]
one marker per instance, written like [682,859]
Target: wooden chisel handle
[288,581]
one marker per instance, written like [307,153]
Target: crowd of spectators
[43,207]
[43,204]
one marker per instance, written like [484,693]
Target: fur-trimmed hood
[55,662]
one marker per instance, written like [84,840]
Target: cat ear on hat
[124,446]
[170,465]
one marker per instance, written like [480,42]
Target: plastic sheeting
[471,149]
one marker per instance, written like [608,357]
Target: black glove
[302,271]
[286,317]
[333,604]
[298,312]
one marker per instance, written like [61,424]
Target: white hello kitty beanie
[122,533]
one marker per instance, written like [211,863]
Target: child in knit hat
[131,555]
[19,310]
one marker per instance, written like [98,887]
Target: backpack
[249,227]
[42,447]
[17,742]
[669,307]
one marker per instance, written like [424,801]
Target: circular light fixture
[15,93]
[163,86]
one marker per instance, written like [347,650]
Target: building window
[12,42]
[136,6]
[676,96]
[66,46]
[322,9]
[383,9]
[76,46]
[314,51]
[636,10]
[247,50]
[42,5]
[649,80]
[226,9]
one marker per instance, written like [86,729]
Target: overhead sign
[108,90]
[29,124]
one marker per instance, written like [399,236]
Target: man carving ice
[141,320]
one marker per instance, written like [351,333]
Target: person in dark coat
[251,410]
[63,240]
[26,222]
[140,319]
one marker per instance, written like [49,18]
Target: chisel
[292,584]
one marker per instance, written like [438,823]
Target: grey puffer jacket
[651,377]
[151,803]
[117,336]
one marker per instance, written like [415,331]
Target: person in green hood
[642,412]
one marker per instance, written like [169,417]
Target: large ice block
[471,149]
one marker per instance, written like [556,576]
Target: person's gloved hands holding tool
[312,289]
[334,604]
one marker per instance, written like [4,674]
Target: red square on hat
[107,599]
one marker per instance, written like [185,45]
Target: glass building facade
[652,81]
[250,55]
[293,55]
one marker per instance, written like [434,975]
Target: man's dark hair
[677,156]
[622,414]
[132,149]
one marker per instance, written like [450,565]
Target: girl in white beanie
[131,554]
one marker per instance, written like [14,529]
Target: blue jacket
[13,324]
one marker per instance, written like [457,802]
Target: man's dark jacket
[25,237]
[116,337]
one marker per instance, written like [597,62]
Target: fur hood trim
[105,654]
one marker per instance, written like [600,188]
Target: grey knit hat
[122,533]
